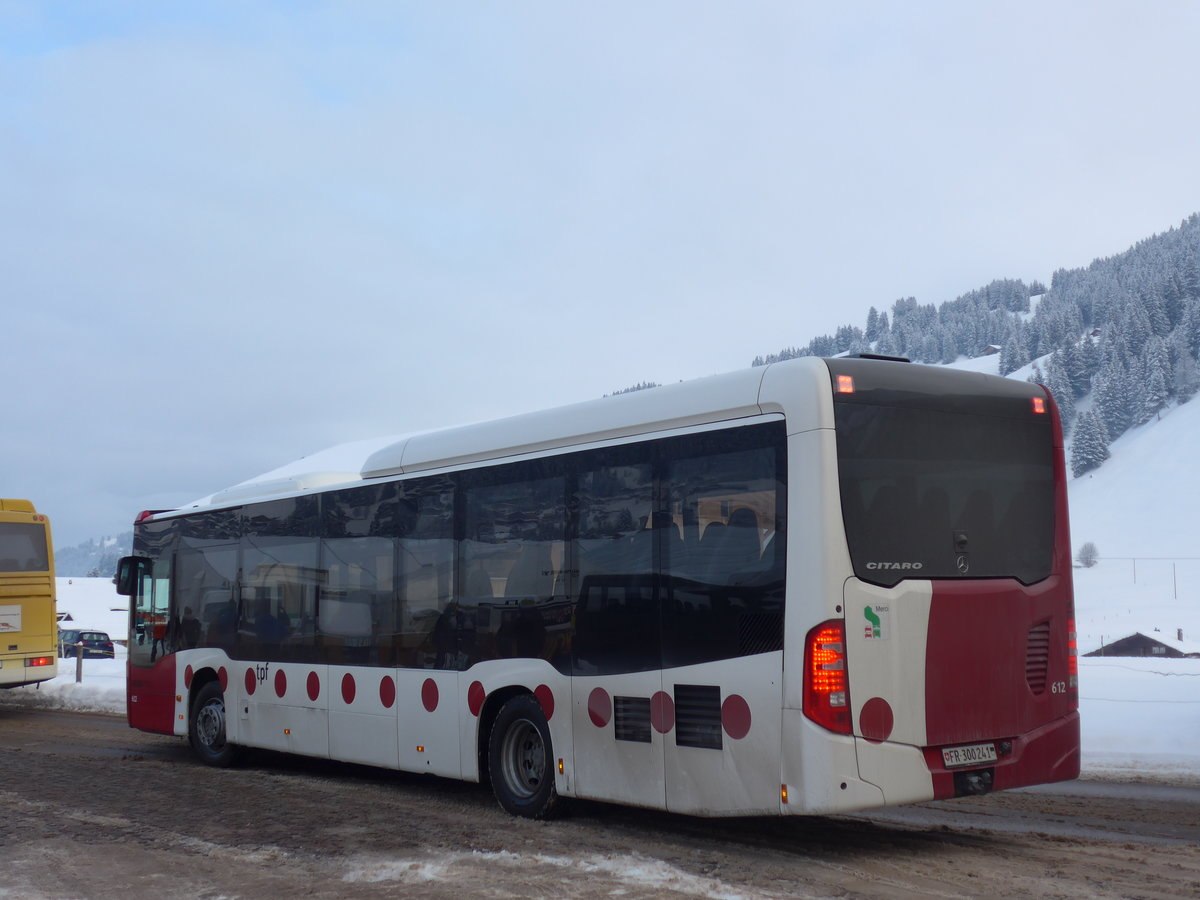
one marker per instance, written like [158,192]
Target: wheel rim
[210,725]
[524,759]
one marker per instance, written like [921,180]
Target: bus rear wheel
[206,727]
[521,760]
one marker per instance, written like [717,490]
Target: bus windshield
[934,490]
[23,547]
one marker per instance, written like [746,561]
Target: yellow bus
[28,624]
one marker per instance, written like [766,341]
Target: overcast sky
[234,234]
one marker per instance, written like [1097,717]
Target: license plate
[971,755]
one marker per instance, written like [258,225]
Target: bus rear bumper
[1041,756]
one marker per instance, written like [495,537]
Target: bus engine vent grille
[698,716]
[1037,657]
[631,719]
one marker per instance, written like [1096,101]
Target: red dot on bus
[187,677]
[876,720]
[314,686]
[545,698]
[348,688]
[599,707]
[223,678]
[429,695]
[475,697]
[280,682]
[662,712]
[387,691]
[251,681]
[735,716]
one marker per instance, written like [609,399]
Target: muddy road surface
[92,809]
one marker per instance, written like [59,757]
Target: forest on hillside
[1115,342]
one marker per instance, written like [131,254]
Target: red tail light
[39,661]
[1039,405]
[826,681]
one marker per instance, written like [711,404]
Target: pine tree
[1089,448]
[1190,327]
[1135,328]
[1112,400]
[1013,353]
[1089,360]
[1187,378]
[872,332]
[1156,377]
[1074,370]
[1173,300]
[1060,387]
[1156,313]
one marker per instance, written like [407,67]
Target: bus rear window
[23,548]
[937,493]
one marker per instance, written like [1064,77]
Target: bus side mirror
[129,574]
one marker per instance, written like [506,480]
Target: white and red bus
[811,587]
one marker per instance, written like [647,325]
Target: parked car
[96,644]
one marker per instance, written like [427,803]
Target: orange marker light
[845,384]
[1039,405]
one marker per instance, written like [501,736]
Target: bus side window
[426,630]
[511,562]
[610,567]
[723,595]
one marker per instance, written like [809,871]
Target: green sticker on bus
[876,622]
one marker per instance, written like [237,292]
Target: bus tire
[206,727]
[521,760]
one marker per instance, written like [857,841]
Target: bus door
[150,693]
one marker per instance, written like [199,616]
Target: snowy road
[95,810]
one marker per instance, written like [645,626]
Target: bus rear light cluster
[826,682]
[33,661]
[1039,405]
[845,384]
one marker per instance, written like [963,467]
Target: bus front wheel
[206,727]
[521,760]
